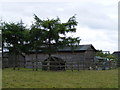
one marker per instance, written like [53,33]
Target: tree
[73,42]
[54,33]
[13,35]
[45,35]
[36,40]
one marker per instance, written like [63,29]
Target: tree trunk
[48,62]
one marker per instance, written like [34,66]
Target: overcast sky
[97,19]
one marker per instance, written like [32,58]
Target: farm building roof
[68,48]
[116,52]
[79,48]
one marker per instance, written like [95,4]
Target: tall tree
[13,38]
[54,33]
[36,40]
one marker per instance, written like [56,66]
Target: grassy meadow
[26,78]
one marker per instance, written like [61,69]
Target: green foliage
[51,33]
[46,35]
[14,36]
[105,55]
[72,42]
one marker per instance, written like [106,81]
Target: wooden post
[78,66]
[33,63]
[18,63]
[24,62]
[14,60]
[36,61]
[84,62]
[65,66]
[72,65]
[48,64]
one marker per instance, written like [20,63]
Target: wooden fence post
[78,66]
[72,65]
[33,63]
[18,63]
[36,62]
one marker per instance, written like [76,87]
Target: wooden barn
[10,60]
[81,58]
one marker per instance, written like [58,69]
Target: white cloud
[97,18]
[60,9]
[99,38]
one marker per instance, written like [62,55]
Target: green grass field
[26,78]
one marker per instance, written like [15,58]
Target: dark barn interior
[53,64]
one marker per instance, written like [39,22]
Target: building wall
[117,55]
[10,60]
[5,60]
[73,60]
[89,59]
[31,60]
[76,60]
